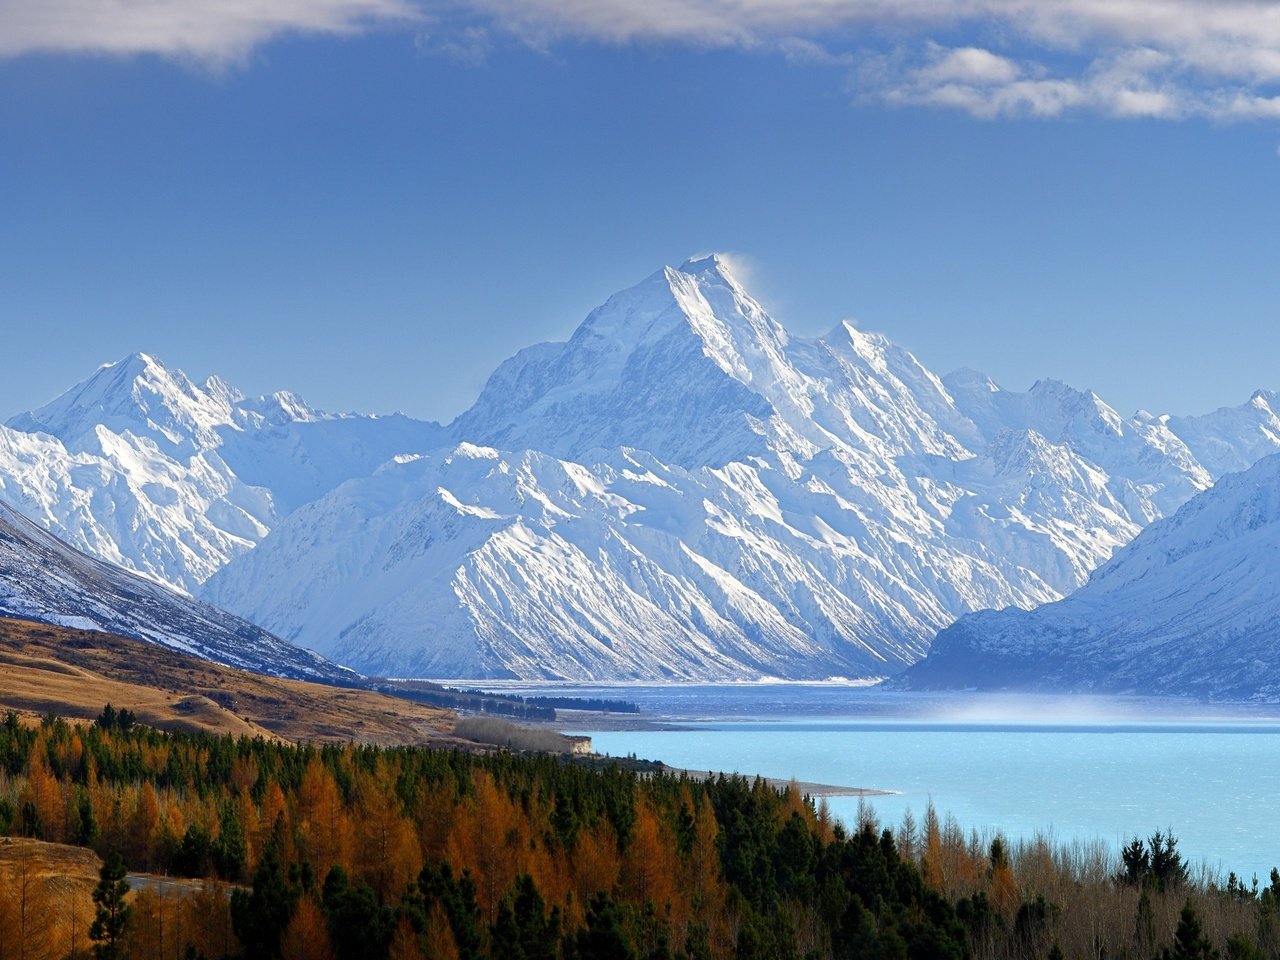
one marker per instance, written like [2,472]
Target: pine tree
[1167,866]
[260,916]
[604,937]
[1189,941]
[113,914]
[524,931]
[87,827]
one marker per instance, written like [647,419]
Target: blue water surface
[1081,768]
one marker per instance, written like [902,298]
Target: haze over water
[1080,768]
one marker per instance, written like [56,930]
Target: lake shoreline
[805,787]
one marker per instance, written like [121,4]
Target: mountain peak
[702,264]
[678,364]
[137,362]
[969,379]
[1262,399]
[714,268]
[137,394]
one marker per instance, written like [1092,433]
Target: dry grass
[75,672]
[57,882]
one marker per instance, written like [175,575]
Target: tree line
[354,852]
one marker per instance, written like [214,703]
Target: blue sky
[373,202]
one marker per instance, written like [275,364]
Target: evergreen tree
[259,917]
[523,930]
[112,917]
[359,926]
[1240,947]
[229,851]
[604,937]
[1137,862]
[87,829]
[1168,870]
[1144,926]
[32,824]
[1189,941]
[107,718]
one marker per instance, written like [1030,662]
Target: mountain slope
[142,467]
[41,578]
[475,562]
[683,489]
[73,673]
[1232,438]
[1191,606]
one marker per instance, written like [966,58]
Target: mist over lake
[1080,768]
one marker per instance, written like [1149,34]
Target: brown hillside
[75,672]
[48,901]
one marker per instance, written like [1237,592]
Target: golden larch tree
[404,943]
[387,846]
[307,935]
[438,937]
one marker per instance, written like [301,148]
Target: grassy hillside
[74,672]
[48,900]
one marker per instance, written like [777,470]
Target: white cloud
[470,46]
[1122,58]
[802,50]
[1248,107]
[968,65]
[212,31]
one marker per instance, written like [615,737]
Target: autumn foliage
[355,852]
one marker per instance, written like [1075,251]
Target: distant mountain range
[1191,608]
[140,466]
[680,490]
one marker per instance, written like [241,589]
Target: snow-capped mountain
[686,366]
[1190,607]
[41,578]
[684,489]
[1232,438]
[140,466]
[475,562]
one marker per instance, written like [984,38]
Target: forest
[351,852]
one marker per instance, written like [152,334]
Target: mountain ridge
[765,504]
[835,507]
[41,578]
[1187,608]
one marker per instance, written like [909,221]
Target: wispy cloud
[209,31]
[1123,58]
[1132,83]
[1046,58]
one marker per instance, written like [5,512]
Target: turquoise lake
[1083,769]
